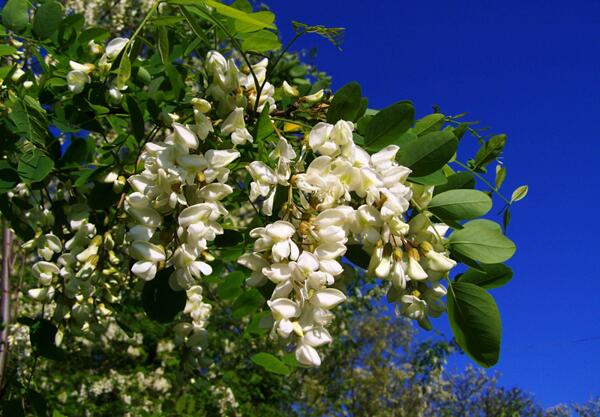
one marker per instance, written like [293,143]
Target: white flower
[437,261]
[415,270]
[313,98]
[48,245]
[140,232]
[76,80]
[183,136]
[146,251]
[327,298]
[234,121]
[45,272]
[413,307]
[114,47]
[217,163]
[41,294]
[277,238]
[284,308]
[146,270]
[308,355]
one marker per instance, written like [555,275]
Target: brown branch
[5,299]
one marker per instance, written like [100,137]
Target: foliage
[196,183]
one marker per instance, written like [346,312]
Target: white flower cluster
[73,266]
[234,89]
[175,178]
[302,256]
[194,334]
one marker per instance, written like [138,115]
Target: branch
[5,300]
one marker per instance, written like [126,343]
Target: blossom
[114,47]
[276,237]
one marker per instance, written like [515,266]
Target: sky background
[531,70]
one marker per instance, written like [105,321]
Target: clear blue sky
[532,70]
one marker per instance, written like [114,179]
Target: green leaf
[429,153]
[124,71]
[500,175]
[249,19]
[261,41]
[47,18]
[137,118]
[247,303]
[161,303]
[482,240]
[270,363]
[388,125]
[231,286]
[30,120]
[459,180]
[475,322]
[7,50]
[266,17]
[34,166]
[264,126]
[519,193]
[346,103]
[506,218]
[163,44]
[8,176]
[97,34]
[490,276]
[460,204]
[15,14]
[429,123]
[435,178]
[488,152]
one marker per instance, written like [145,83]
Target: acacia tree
[195,167]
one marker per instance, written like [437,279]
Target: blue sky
[529,69]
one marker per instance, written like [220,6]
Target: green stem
[486,182]
[271,68]
[141,26]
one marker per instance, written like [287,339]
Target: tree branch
[5,299]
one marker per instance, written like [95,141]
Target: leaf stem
[486,182]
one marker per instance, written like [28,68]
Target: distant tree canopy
[196,224]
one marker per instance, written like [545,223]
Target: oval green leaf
[482,240]
[15,14]
[388,125]
[429,123]
[459,180]
[460,204]
[261,41]
[519,193]
[270,363]
[346,103]
[428,153]
[47,18]
[490,276]
[475,322]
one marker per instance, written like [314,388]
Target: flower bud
[290,90]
